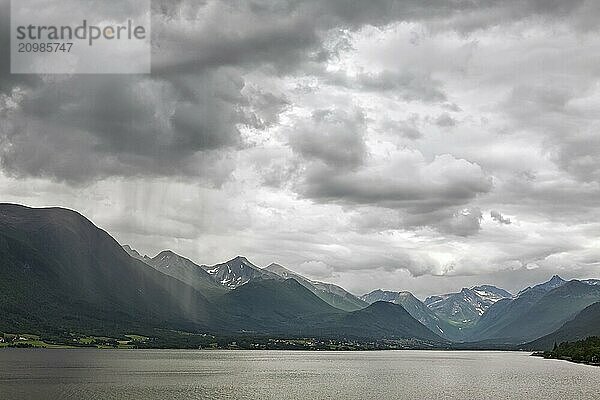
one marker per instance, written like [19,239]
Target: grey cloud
[498,217]
[278,175]
[406,182]
[466,222]
[537,105]
[266,107]
[464,14]
[284,34]
[191,36]
[315,269]
[445,121]
[335,137]
[558,196]
[246,39]
[578,155]
[366,256]
[122,126]
[369,219]
[452,107]
[73,157]
[408,86]
[408,128]
[201,126]
[405,85]
[277,169]
[488,13]
[79,128]
[410,132]
[569,131]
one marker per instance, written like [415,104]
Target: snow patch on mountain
[237,272]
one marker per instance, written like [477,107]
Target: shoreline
[58,347]
[567,359]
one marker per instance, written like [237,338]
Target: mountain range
[536,312]
[182,269]
[61,273]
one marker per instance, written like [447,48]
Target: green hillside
[583,351]
[60,272]
[329,293]
[585,324]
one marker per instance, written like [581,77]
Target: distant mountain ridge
[240,271]
[418,310]
[591,281]
[59,272]
[237,272]
[135,254]
[553,283]
[186,271]
[330,293]
[467,306]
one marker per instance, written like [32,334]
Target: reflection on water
[157,374]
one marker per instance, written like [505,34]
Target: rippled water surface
[174,374]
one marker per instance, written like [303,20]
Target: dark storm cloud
[99,126]
[235,39]
[285,34]
[88,127]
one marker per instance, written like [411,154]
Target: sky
[413,145]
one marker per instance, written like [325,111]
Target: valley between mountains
[64,281]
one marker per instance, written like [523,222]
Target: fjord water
[169,374]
